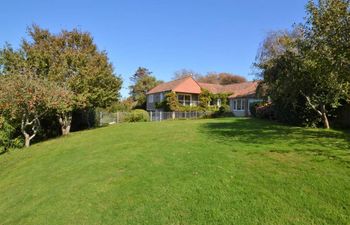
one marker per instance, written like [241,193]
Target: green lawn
[219,171]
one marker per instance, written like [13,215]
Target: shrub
[137,115]
[253,108]
[224,111]
[122,106]
[7,139]
[265,111]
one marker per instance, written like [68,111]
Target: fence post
[100,119]
[173,115]
[160,116]
[150,115]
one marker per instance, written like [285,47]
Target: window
[184,99]
[161,97]
[239,104]
[150,98]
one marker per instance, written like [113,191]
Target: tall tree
[307,70]
[69,58]
[143,81]
[140,73]
[326,52]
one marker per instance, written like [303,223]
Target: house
[188,90]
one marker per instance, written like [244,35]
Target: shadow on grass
[256,132]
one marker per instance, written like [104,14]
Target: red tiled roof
[189,85]
[213,88]
[184,85]
[237,90]
[243,89]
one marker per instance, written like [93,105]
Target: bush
[265,111]
[224,111]
[137,115]
[7,139]
[121,106]
[253,108]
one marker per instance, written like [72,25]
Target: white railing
[105,118]
[159,116]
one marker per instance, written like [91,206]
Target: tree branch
[310,103]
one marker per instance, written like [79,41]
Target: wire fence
[105,118]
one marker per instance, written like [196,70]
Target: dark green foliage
[265,111]
[223,111]
[205,98]
[137,115]
[78,76]
[253,108]
[70,58]
[143,81]
[7,136]
[306,71]
[171,103]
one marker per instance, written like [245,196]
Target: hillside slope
[219,171]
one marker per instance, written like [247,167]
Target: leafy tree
[221,78]
[27,99]
[142,83]
[307,70]
[69,58]
[326,52]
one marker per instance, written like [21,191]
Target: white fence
[121,117]
[159,116]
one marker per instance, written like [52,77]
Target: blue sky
[162,35]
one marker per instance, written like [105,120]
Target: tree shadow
[261,133]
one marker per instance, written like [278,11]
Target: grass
[219,171]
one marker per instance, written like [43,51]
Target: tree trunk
[27,140]
[65,121]
[324,117]
[322,112]
[34,124]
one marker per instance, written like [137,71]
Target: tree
[186,73]
[63,107]
[221,78]
[140,73]
[228,78]
[27,99]
[142,83]
[327,55]
[69,58]
[307,70]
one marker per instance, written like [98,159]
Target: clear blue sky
[162,35]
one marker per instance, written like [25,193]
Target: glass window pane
[239,104]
